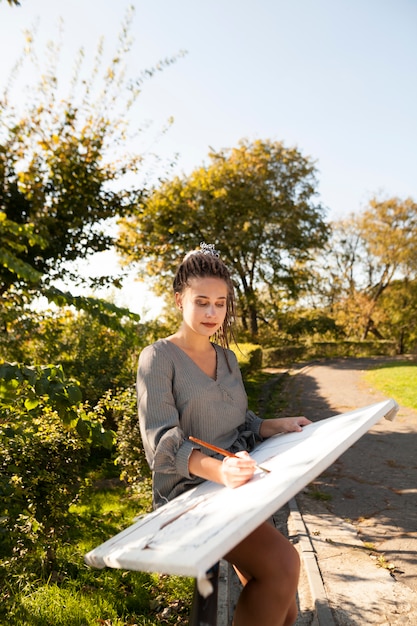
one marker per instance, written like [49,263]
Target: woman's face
[203,304]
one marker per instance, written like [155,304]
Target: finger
[239,466]
[244,458]
[237,470]
[302,421]
[242,454]
[233,474]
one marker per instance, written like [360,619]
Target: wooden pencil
[221,451]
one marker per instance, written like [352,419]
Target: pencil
[220,450]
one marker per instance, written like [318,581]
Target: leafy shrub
[98,356]
[308,350]
[121,408]
[283,355]
[41,465]
[249,356]
[45,438]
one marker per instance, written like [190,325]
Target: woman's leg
[268,566]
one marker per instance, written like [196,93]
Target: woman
[189,386]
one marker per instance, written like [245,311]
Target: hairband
[205,248]
[208,248]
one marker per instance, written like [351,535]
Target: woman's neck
[199,349]
[190,341]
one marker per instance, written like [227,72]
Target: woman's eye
[204,303]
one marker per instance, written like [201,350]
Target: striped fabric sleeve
[164,442]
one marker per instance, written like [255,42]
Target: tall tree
[399,303]
[255,202]
[389,230]
[63,162]
[340,276]
[364,256]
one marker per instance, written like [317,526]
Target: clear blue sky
[337,78]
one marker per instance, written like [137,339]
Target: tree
[399,302]
[254,202]
[365,255]
[63,163]
[339,274]
[389,230]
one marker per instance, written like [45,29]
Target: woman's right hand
[237,470]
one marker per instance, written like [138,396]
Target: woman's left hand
[292,424]
[277,425]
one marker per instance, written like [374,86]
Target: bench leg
[204,610]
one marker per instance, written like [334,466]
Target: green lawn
[397,380]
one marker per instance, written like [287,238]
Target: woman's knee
[285,559]
[268,555]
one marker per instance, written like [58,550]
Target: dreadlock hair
[206,263]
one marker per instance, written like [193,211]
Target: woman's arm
[277,425]
[235,471]
[167,450]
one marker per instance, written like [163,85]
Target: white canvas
[191,533]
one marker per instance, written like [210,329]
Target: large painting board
[192,532]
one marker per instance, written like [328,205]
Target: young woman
[189,386]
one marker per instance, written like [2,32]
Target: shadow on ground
[374,483]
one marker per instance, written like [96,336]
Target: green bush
[283,355]
[289,353]
[46,434]
[122,407]
[40,465]
[249,356]
[97,356]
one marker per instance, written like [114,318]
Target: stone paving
[364,534]
[356,526]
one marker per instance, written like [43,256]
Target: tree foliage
[63,163]
[254,202]
[366,255]
[54,179]
[63,167]
[99,356]
[399,304]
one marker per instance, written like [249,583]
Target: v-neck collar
[171,343]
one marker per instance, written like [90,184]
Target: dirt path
[374,484]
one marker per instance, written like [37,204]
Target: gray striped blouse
[177,399]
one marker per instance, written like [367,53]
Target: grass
[70,593]
[316,494]
[397,380]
